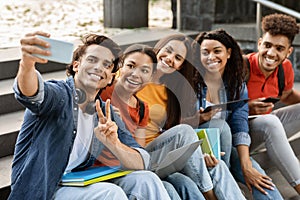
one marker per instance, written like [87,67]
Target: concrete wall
[126,13]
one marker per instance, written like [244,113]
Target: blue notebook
[88,174]
[213,140]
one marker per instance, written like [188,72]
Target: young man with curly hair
[269,69]
[62,132]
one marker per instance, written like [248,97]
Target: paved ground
[18,17]
[67,19]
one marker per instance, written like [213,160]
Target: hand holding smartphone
[61,51]
[271,100]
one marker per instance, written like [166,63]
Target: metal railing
[274,6]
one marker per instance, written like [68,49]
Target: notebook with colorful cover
[211,141]
[92,175]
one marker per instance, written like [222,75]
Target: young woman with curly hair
[220,78]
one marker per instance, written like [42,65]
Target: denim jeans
[225,137]
[185,187]
[236,171]
[140,185]
[272,131]
[101,190]
[171,191]
[218,178]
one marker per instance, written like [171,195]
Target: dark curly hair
[280,24]
[100,40]
[235,70]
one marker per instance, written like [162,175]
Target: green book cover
[205,146]
[211,141]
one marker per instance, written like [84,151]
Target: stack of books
[92,175]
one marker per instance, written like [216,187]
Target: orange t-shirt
[130,115]
[156,97]
[260,86]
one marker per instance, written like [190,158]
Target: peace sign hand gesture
[106,131]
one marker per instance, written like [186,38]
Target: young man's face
[272,51]
[94,69]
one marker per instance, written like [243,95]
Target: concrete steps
[5,168]
[11,112]
[283,186]
[5,171]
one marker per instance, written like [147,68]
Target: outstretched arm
[107,133]
[27,77]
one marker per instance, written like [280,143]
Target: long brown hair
[177,82]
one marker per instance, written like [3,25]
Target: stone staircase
[11,112]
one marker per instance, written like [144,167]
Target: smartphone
[271,100]
[61,51]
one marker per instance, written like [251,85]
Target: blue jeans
[185,187]
[136,185]
[236,171]
[101,190]
[272,131]
[225,137]
[142,185]
[218,178]
[171,191]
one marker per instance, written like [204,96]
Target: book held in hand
[92,175]
[211,141]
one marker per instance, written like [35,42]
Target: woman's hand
[210,160]
[258,180]
[207,116]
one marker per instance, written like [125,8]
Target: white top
[83,140]
[218,114]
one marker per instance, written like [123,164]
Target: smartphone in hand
[271,100]
[61,51]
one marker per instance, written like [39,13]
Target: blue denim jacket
[237,118]
[46,138]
